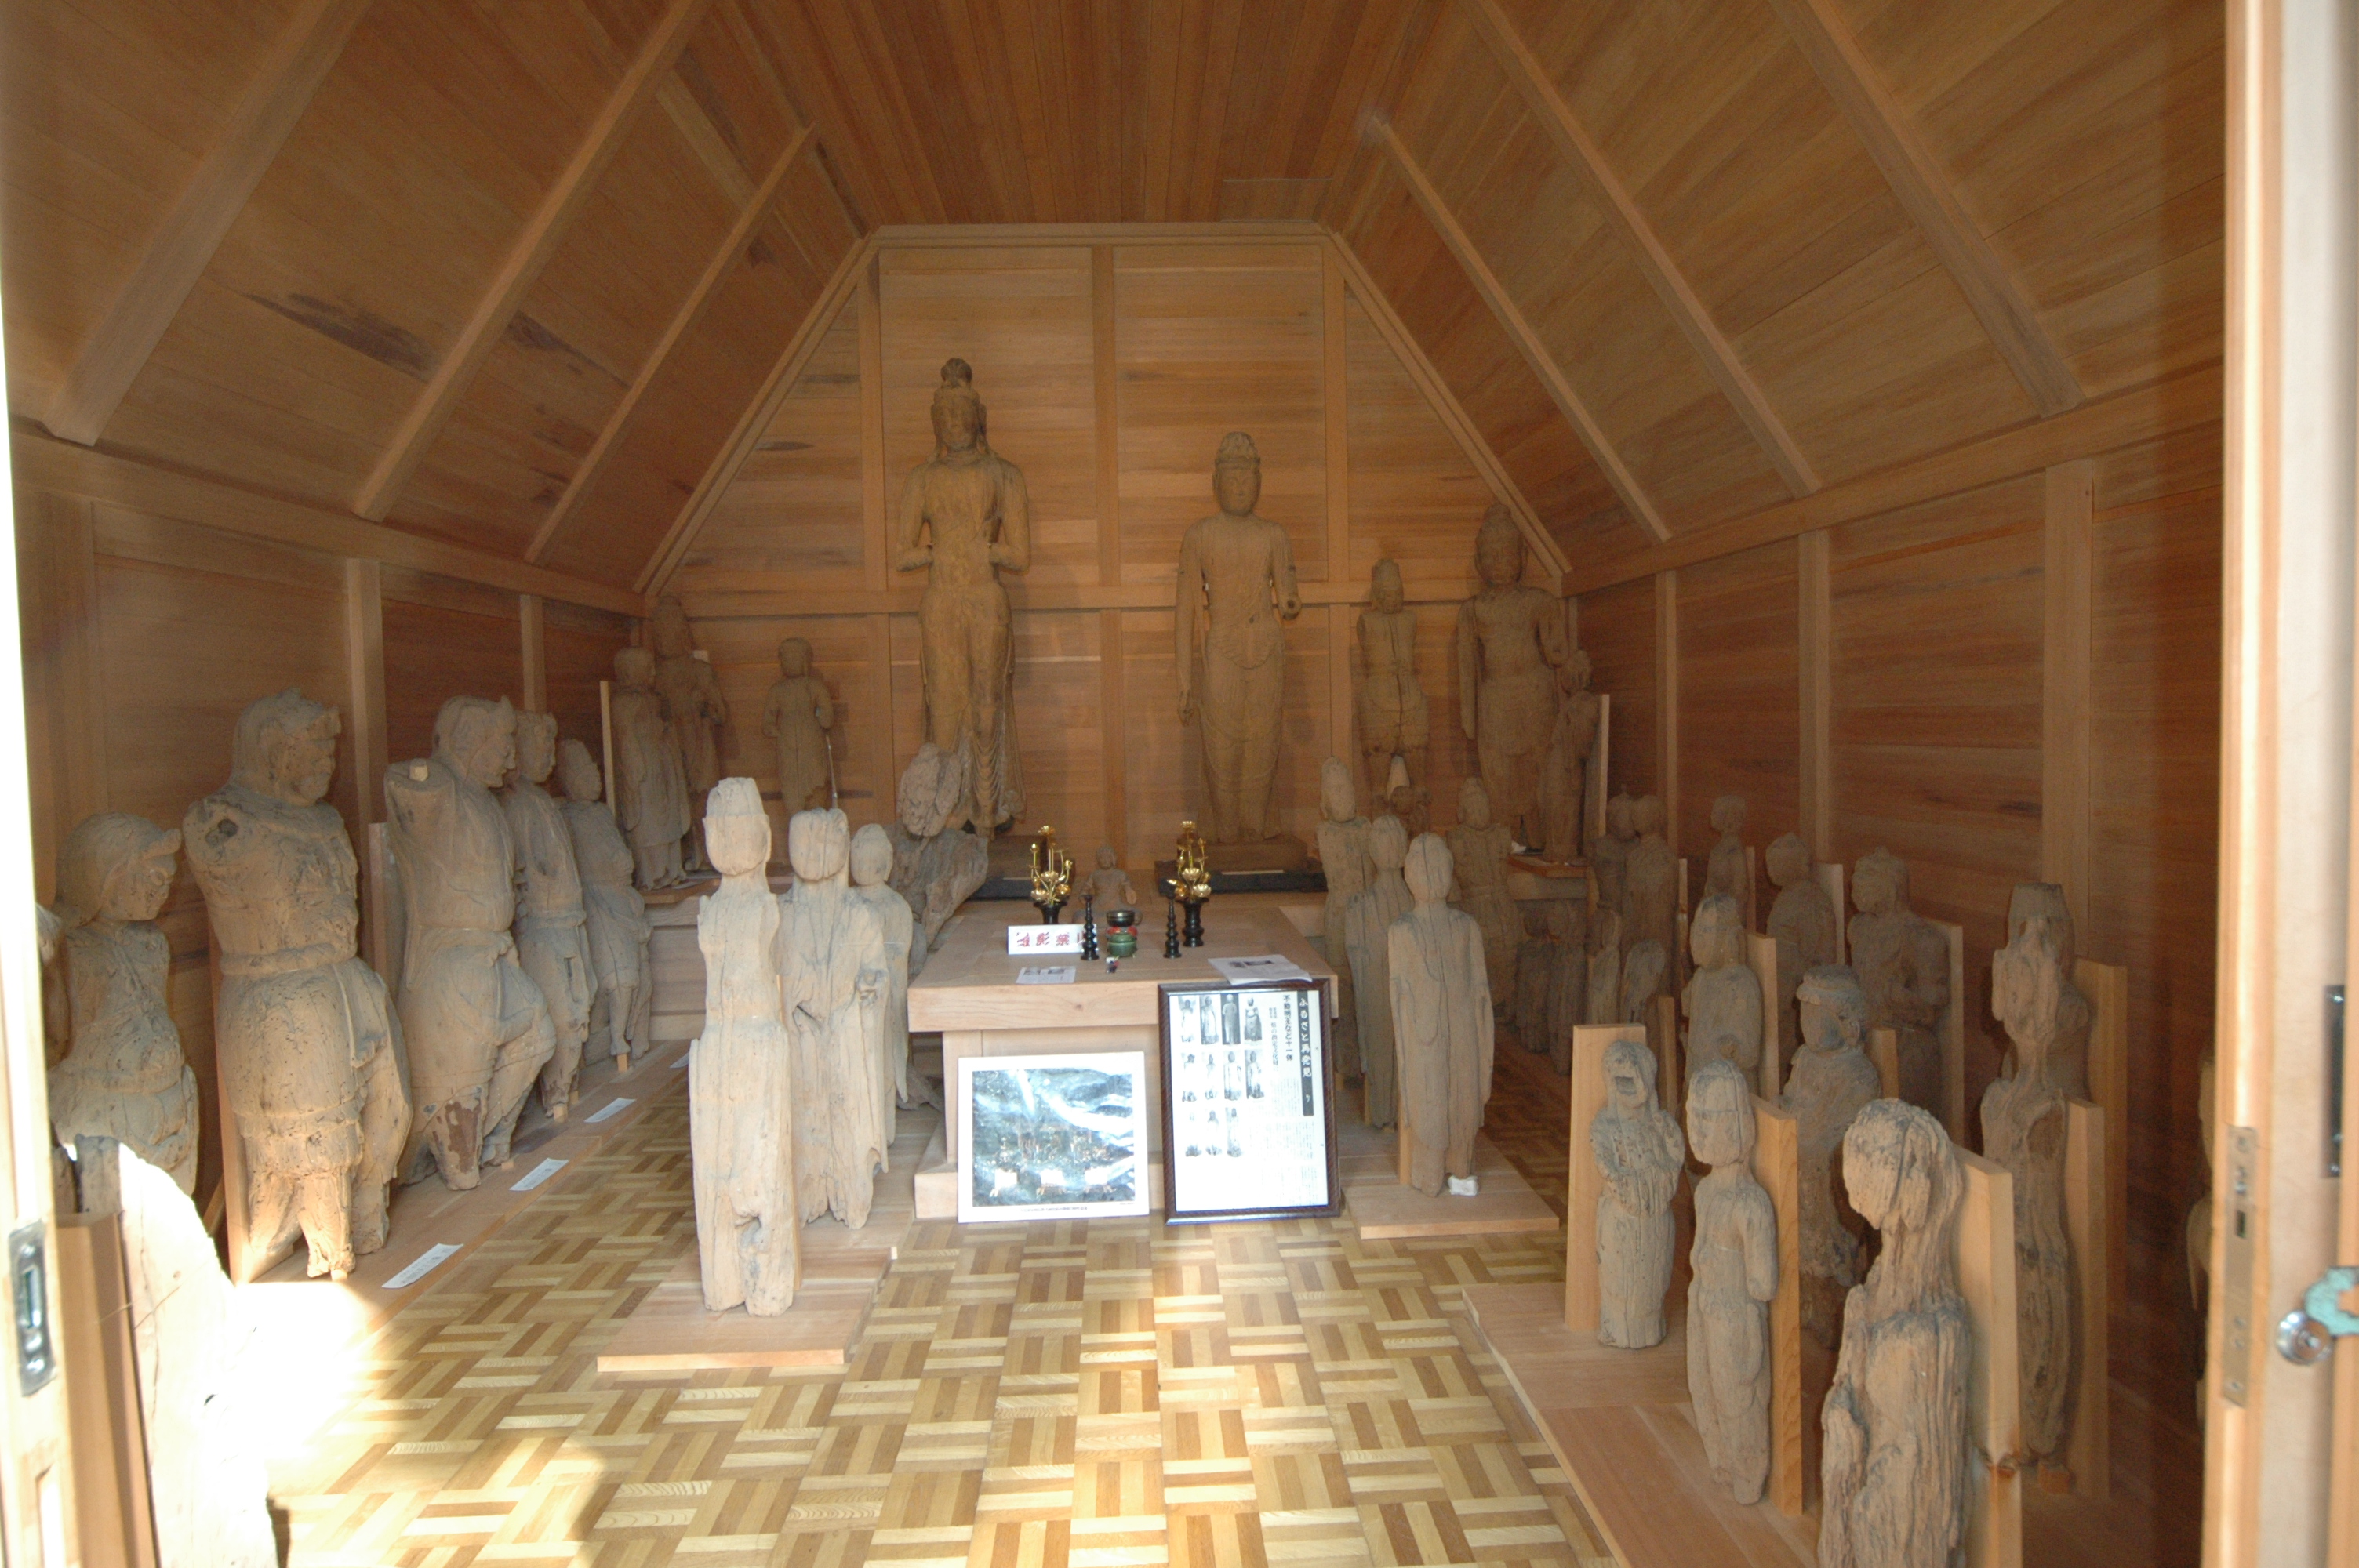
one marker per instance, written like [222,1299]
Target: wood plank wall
[1945,631]
[145,635]
[1110,372]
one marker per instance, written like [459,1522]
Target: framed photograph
[1248,1103]
[1053,1137]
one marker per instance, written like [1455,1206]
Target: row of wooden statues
[804,1055]
[524,939]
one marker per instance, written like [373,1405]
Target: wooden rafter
[1519,331]
[1925,194]
[529,253]
[725,257]
[1577,147]
[118,347]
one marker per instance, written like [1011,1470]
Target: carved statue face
[1619,820]
[1720,1114]
[1714,938]
[736,828]
[116,867]
[1107,856]
[2027,991]
[1387,843]
[1385,589]
[1647,814]
[1237,487]
[1428,869]
[1629,1077]
[1833,1008]
[137,891]
[1789,861]
[1473,805]
[2042,904]
[634,668]
[304,761]
[1499,549]
[478,738]
[818,844]
[872,856]
[669,631]
[1336,799]
[578,774]
[794,658]
[1728,814]
[958,421]
[1898,1168]
[535,745]
[1879,883]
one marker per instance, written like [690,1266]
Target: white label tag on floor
[676,1066]
[610,1109]
[1045,975]
[422,1265]
[537,1174]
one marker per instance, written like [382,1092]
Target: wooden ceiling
[510,273]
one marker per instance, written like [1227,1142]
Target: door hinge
[2306,1334]
[2242,1222]
[28,1291]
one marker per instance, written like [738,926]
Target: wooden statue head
[872,856]
[2027,994]
[1720,1114]
[536,746]
[819,844]
[794,657]
[1879,883]
[1473,803]
[1337,800]
[1646,814]
[1385,589]
[1428,869]
[1236,474]
[1902,1174]
[476,737]
[1789,861]
[285,747]
[1728,814]
[2042,903]
[634,668]
[1621,816]
[1629,1079]
[1499,549]
[958,412]
[577,773]
[116,867]
[736,828]
[669,630]
[1716,936]
[1387,843]
[1833,1008]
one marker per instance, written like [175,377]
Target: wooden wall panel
[1617,631]
[1740,698]
[578,648]
[443,639]
[1415,498]
[745,657]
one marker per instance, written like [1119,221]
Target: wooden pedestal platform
[1381,1207]
[1616,1421]
[670,1332]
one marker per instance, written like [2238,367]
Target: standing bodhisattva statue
[964,515]
[1510,641]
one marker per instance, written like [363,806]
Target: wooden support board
[2107,987]
[1793,1402]
[1986,1250]
[1670,1059]
[1761,957]
[1382,1207]
[2088,1224]
[1884,1050]
[1584,1184]
[110,1444]
[1600,770]
[1830,875]
[1953,1038]
[669,1332]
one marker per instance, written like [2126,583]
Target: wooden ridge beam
[755,419]
[533,248]
[1519,331]
[725,257]
[42,462]
[118,347]
[1926,194]
[2181,401]
[1577,147]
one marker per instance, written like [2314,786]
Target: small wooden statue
[1604,998]
[1109,884]
[1441,1024]
[831,961]
[1733,1263]
[1638,1146]
[1510,641]
[1568,1000]
[692,703]
[1801,920]
[1726,873]
[1344,857]
[2024,1126]
[1385,900]
[1564,769]
[1609,861]
[1643,971]
[552,939]
[650,786]
[797,717]
[742,1092]
[116,1066]
[1722,1000]
[1535,970]
[1832,1083]
[1893,1460]
[1479,849]
[1391,710]
[615,916]
[872,863]
[936,867]
[1904,967]
[2042,904]
[1652,897]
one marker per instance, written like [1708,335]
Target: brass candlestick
[1052,875]
[1192,884]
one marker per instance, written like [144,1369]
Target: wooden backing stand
[2107,987]
[1795,1393]
[2088,1224]
[1662,1033]
[1593,786]
[1884,1050]
[1953,1033]
[1761,958]
[1994,1390]
[1829,877]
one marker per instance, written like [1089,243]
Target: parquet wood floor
[1090,1394]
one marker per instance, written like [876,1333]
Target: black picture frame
[1279,1026]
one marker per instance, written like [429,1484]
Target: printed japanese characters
[1442,1026]
[1248,1113]
[1638,1147]
[1735,1274]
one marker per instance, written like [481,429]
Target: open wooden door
[37,1514]
[2282,1425]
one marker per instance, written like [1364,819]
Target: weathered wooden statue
[742,1092]
[1536,971]
[1651,899]
[797,716]
[1567,1002]
[650,786]
[1722,1000]
[614,914]
[305,1034]
[1510,641]
[1733,1265]
[1393,718]
[832,962]
[2042,904]
[1609,859]
[872,864]
[693,704]
[1605,1000]
[1893,1475]
[1832,1081]
[476,1027]
[1801,920]
[1638,1147]
[1725,872]
[1344,857]
[1441,1024]
[1371,913]
[116,1066]
[1110,885]
[1236,576]
[2024,1126]
[1646,970]
[1904,967]
[965,517]
[936,867]
[1564,770]
[552,941]
[1479,849]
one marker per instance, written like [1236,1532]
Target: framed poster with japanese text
[1248,1103]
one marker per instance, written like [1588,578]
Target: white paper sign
[612,1108]
[676,1066]
[1045,975]
[1027,939]
[537,1174]
[422,1265]
[1259,966]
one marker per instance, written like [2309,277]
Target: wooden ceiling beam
[1926,194]
[725,257]
[531,253]
[1519,331]
[1577,147]
[118,347]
